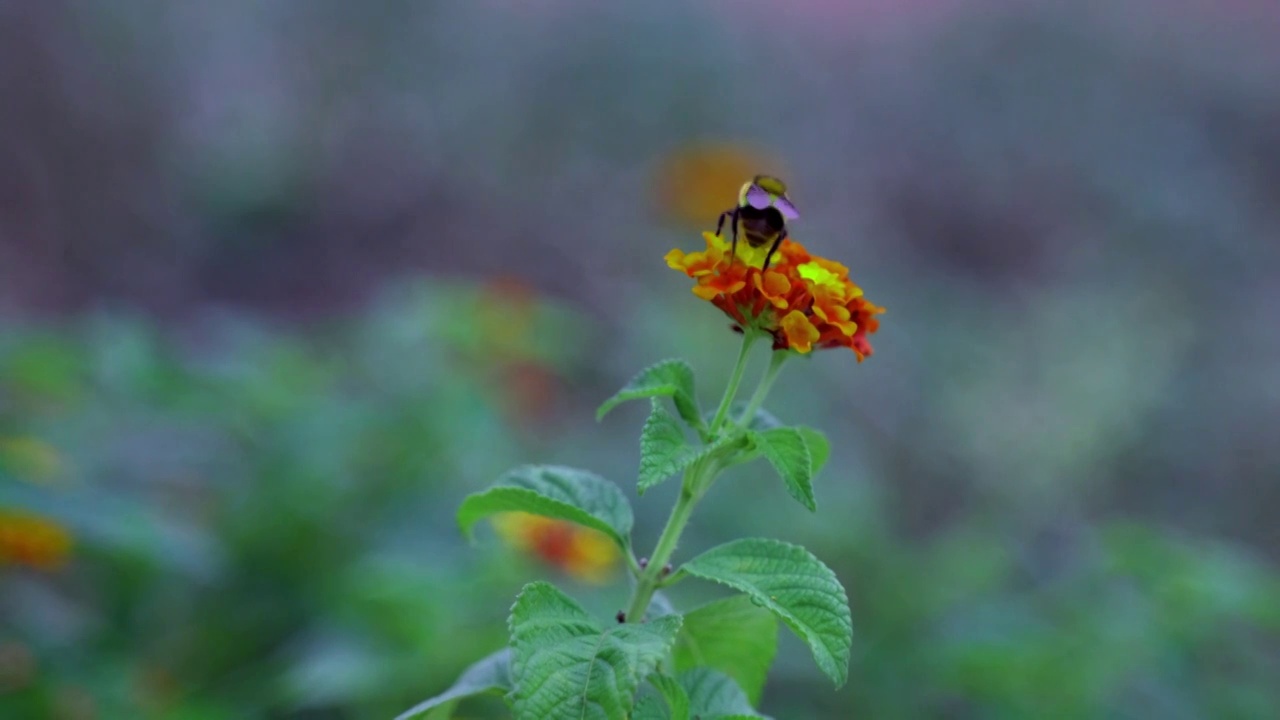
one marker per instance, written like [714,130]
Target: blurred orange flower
[583,553]
[691,184]
[803,301]
[32,540]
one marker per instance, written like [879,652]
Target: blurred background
[281,282]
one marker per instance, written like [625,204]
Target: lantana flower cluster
[803,301]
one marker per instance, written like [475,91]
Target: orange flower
[581,552]
[32,540]
[802,301]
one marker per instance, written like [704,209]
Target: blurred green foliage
[264,528]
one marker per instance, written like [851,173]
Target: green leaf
[651,708]
[734,636]
[492,674]
[660,605]
[785,448]
[789,581]
[674,694]
[711,693]
[669,378]
[568,665]
[819,447]
[557,492]
[664,451]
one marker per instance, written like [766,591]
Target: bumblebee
[763,210]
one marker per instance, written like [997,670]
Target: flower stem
[730,392]
[695,482]
[776,362]
[697,479]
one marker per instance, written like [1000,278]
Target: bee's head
[767,191]
[770,184]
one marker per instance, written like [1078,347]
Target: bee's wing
[786,207]
[759,198]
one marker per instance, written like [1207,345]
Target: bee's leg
[733,246]
[720,224]
[773,248]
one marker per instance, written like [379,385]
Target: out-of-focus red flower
[32,540]
[803,301]
[583,553]
[504,318]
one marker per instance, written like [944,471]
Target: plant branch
[776,361]
[696,479]
[735,379]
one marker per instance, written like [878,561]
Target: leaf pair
[796,453]
[562,662]
[668,378]
[790,582]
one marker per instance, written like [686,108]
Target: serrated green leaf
[566,664]
[669,378]
[651,708]
[557,492]
[664,451]
[492,674]
[711,693]
[674,694]
[789,581]
[785,448]
[819,447]
[732,635]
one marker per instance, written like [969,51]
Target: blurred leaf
[819,447]
[492,674]
[786,449]
[762,419]
[732,635]
[669,378]
[795,586]
[46,368]
[660,605]
[650,708]
[674,694]
[566,664]
[713,694]
[558,492]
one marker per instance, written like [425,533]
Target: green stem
[748,338]
[694,484]
[776,362]
[697,479]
